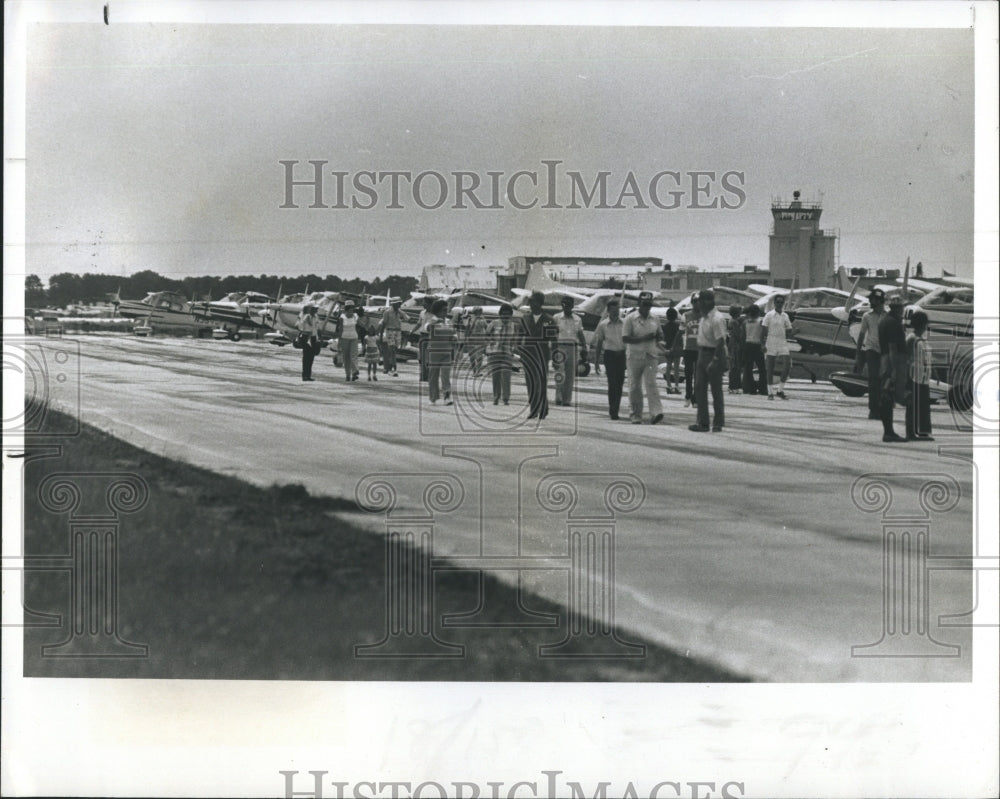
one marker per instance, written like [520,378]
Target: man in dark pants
[895,367]
[869,353]
[753,353]
[307,337]
[711,367]
[918,409]
[608,339]
[538,333]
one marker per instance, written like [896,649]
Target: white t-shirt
[776,324]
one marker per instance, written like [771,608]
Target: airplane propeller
[847,308]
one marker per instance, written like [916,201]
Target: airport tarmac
[745,548]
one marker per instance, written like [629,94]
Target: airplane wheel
[583,369]
[235,337]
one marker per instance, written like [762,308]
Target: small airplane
[281,317]
[167,311]
[236,310]
[949,308]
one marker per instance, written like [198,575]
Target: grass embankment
[225,580]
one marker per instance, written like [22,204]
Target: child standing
[372,355]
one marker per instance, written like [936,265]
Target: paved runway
[743,548]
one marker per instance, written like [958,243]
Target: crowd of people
[898,367]
[703,344]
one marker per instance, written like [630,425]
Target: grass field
[224,580]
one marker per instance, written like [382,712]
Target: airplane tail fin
[538,280]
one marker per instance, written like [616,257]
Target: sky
[159,146]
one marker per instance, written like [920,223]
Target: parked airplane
[166,311]
[236,310]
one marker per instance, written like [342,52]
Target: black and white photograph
[482,400]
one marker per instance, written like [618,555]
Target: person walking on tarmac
[538,332]
[391,333]
[350,331]
[309,343]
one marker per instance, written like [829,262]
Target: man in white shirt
[644,336]
[712,362]
[869,352]
[565,356]
[778,357]
[608,340]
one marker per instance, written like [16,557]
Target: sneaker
[635,419]
[395,374]
[697,428]
[448,402]
[434,402]
[656,419]
[717,428]
[369,378]
[687,403]
[782,395]
[375,378]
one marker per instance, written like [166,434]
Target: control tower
[799,248]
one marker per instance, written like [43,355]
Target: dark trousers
[614,368]
[753,355]
[705,379]
[499,365]
[735,370]
[422,350]
[885,407]
[690,364]
[308,356]
[874,366]
[536,376]
[918,410]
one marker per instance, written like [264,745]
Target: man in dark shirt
[538,331]
[894,367]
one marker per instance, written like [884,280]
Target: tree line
[68,288]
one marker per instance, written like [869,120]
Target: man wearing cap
[712,362]
[538,332]
[565,356]
[608,340]
[869,350]
[691,320]
[390,331]
[894,367]
[644,336]
[778,357]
